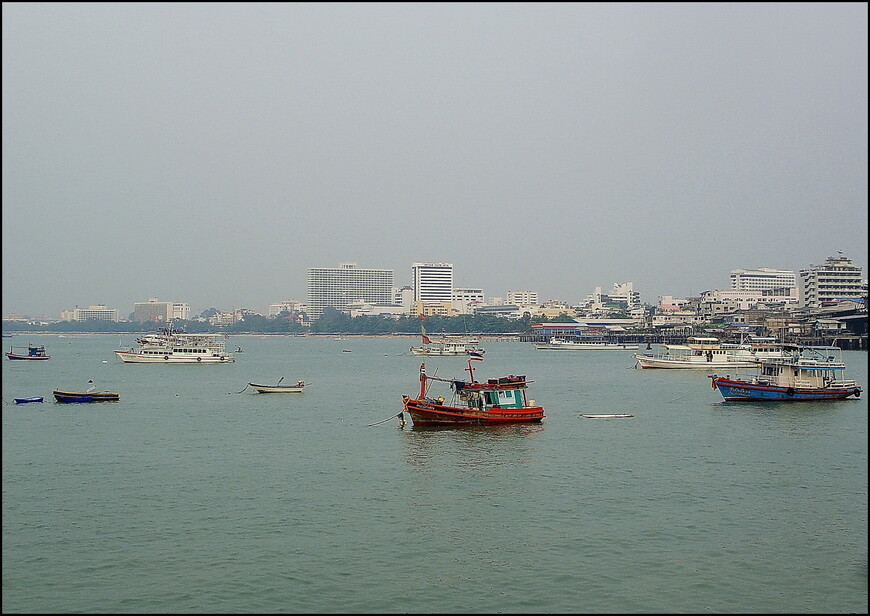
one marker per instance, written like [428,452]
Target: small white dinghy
[606,416]
[280,389]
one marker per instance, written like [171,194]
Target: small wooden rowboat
[279,389]
[606,415]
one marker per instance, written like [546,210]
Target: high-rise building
[338,287]
[433,282]
[837,279]
[762,279]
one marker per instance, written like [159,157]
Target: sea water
[196,494]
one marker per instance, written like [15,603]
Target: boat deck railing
[843,383]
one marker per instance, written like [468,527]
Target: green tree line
[331,321]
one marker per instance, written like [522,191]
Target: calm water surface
[187,496]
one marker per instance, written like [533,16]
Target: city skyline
[210,153]
[605,289]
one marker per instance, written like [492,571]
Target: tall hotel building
[762,279]
[838,278]
[338,287]
[433,282]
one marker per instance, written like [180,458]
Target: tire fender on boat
[166,357]
[199,359]
[789,391]
[713,382]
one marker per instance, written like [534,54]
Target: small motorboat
[30,399]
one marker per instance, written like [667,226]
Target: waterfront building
[432,282]
[466,298]
[744,300]
[432,309]
[522,298]
[622,295]
[837,279]
[508,311]
[288,305]
[404,297]
[91,313]
[338,287]
[762,279]
[367,309]
[154,310]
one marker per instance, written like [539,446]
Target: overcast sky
[212,153]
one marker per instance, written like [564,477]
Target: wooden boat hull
[735,390]
[26,400]
[79,396]
[20,356]
[427,413]
[278,389]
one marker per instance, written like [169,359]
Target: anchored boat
[168,346]
[497,401]
[580,344]
[29,352]
[280,389]
[85,396]
[808,373]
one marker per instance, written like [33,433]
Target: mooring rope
[399,416]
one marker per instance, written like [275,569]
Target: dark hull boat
[83,396]
[31,352]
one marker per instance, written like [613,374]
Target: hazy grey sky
[212,153]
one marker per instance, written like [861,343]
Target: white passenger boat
[448,346]
[556,343]
[705,353]
[171,347]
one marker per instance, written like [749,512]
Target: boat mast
[470,371]
[423,380]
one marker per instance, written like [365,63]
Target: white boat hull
[650,361]
[278,389]
[439,352]
[135,357]
[586,346]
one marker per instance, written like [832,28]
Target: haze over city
[211,153]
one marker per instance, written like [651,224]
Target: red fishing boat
[497,401]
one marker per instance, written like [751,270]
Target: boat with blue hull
[29,352]
[85,396]
[807,373]
[28,400]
